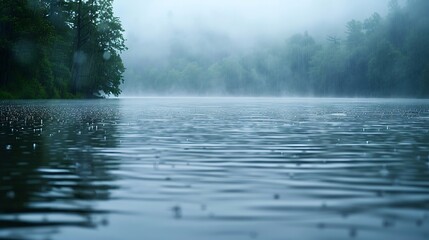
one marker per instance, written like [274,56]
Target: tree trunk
[76,65]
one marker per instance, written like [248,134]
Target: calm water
[214,168]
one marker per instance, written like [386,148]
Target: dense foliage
[59,49]
[378,57]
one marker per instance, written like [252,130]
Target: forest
[60,49]
[381,56]
[72,49]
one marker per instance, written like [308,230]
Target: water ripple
[210,168]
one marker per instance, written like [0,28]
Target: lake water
[214,168]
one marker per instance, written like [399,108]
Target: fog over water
[272,47]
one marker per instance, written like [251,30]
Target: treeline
[59,49]
[378,57]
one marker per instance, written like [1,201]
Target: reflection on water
[51,170]
[214,168]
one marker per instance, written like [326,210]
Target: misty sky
[151,24]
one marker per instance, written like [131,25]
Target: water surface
[214,168]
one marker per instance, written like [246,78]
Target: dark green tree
[60,48]
[97,65]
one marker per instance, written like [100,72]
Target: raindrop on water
[254,235]
[384,171]
[104,222]
[419,222]
[388,223]
[321,225]
[177,211]
[10,194]
[353,232]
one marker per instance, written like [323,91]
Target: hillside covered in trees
[381,56]
[60,49]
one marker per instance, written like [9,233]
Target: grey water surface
[214,168]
